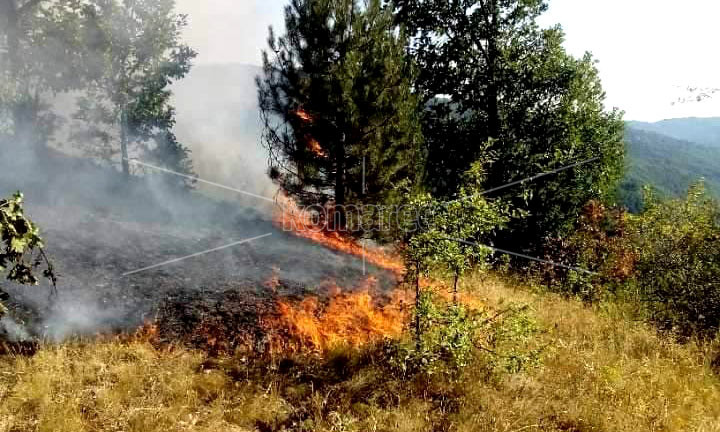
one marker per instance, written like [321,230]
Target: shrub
[600,245]
[453,336]
[21,250]
[677,249]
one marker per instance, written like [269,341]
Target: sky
[648,51]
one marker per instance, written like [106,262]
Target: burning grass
[353,319]
[601,372]
[293,218]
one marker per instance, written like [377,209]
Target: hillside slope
[600,371]
[668,164]
[705,131]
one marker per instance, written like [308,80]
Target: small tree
[21,248]
[450,236]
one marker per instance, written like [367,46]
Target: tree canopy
[491,75]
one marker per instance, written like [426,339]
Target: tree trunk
[455,290]
[339,216]
[417,306]
[493,93]
[124,144]
[19,107]
[25,107]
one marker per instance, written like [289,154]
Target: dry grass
[600,372]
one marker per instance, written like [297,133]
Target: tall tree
[134,52]
[491,75]
[339,113]
[39,58]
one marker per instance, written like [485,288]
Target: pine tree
[339,113]
[491,75]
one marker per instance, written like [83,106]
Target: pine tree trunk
[339,217]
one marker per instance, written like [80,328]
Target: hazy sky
[649,50]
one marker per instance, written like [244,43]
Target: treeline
[114,59]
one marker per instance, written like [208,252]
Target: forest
[425,218]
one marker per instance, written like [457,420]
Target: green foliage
[451,236]
[337,103]
[454,337]
[133,52]
[666,259]
[600,245]
[447,344]
[40,57]
[488,73]
[677,248]
[509,340]
[20,245]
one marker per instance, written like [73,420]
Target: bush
[677,249]
[454,336]
[21,250]
[600,245]
[667,259]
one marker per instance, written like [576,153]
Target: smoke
[230,31]
[218,119]
[97,227]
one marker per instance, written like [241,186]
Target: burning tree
[336,100]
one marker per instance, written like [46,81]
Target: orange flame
[304,115]
[293,218]
[316,148]
[349,318]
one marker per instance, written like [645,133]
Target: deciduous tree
[491,75]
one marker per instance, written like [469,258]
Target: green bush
[599,249]
[454,336]
[677,271]
[20,246]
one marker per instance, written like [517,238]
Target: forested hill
[657,155]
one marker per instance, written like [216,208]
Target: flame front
[292,218]
[353,319]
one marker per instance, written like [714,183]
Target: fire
[304,115]
[349,318]
[293,218]
[316,148]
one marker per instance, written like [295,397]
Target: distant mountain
[697,130]
[667,163]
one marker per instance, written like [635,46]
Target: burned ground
[97,229]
